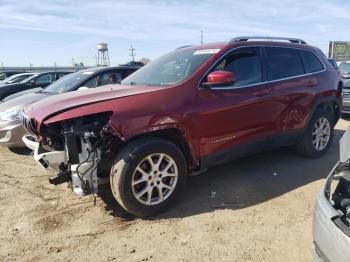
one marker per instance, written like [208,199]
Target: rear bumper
[330,243]
[11,134]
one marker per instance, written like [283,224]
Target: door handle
[263,92]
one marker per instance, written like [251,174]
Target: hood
[22,101]
[63,102]
[30,91]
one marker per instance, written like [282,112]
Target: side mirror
[82,88]
[220,78]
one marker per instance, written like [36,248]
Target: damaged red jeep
[190,109]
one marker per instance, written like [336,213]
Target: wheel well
[173,135]
[332,108]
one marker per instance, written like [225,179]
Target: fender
[129,128]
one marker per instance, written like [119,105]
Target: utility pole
[2,64]
[30,66]
[73,62]
[132,53]
[54,64]
[202,37]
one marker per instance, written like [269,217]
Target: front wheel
[147,175]
[318,136]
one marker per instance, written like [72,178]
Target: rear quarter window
[283,63]
[312,63]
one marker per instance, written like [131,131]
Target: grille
[29,124]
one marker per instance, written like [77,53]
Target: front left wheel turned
[147,175]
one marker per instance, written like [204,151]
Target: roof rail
[267,38]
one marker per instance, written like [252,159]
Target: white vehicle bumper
[44,159]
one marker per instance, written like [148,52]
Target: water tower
[102,55]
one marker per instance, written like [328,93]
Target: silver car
[331,219]
[344,70]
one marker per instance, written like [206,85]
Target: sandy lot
[254,209]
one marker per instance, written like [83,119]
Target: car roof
[102,69]
[254,41]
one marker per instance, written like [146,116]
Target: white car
[331,220]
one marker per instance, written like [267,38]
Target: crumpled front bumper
[43,158]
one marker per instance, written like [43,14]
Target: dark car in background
[11,130]
[37,80]
[6,74]
[16,78]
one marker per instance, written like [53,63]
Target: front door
[236,116]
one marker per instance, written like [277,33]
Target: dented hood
[51,106]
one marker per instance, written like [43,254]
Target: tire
[133,164]
[306,146]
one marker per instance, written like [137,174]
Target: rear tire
[318,136]
[148,175]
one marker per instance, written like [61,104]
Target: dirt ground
[254,209]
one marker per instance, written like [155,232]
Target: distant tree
[76,64]
[81,64]
[145,60]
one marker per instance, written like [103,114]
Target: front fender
[131,127]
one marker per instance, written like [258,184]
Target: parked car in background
[184,112]
[38,80]
[16,78]
[333,63]
[11,129]
[331,218]
[344,69]
[6,74]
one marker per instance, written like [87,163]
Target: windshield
[171,68]
[16,78]
[345,67]
[68,82]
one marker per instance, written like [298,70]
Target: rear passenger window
[283,63]
[311,62]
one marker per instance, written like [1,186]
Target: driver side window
[245,64]
[44,79]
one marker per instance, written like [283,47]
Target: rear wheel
[318,136]
[148,175]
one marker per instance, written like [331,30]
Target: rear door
[292,88]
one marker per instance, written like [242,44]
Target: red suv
[190,109]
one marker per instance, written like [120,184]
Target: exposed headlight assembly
[11,114]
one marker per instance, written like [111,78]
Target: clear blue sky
[43,32]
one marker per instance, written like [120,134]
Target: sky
[46,32]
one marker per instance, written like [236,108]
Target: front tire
[318,136]
[147,175]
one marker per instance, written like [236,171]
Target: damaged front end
[80,149]
[331,218]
